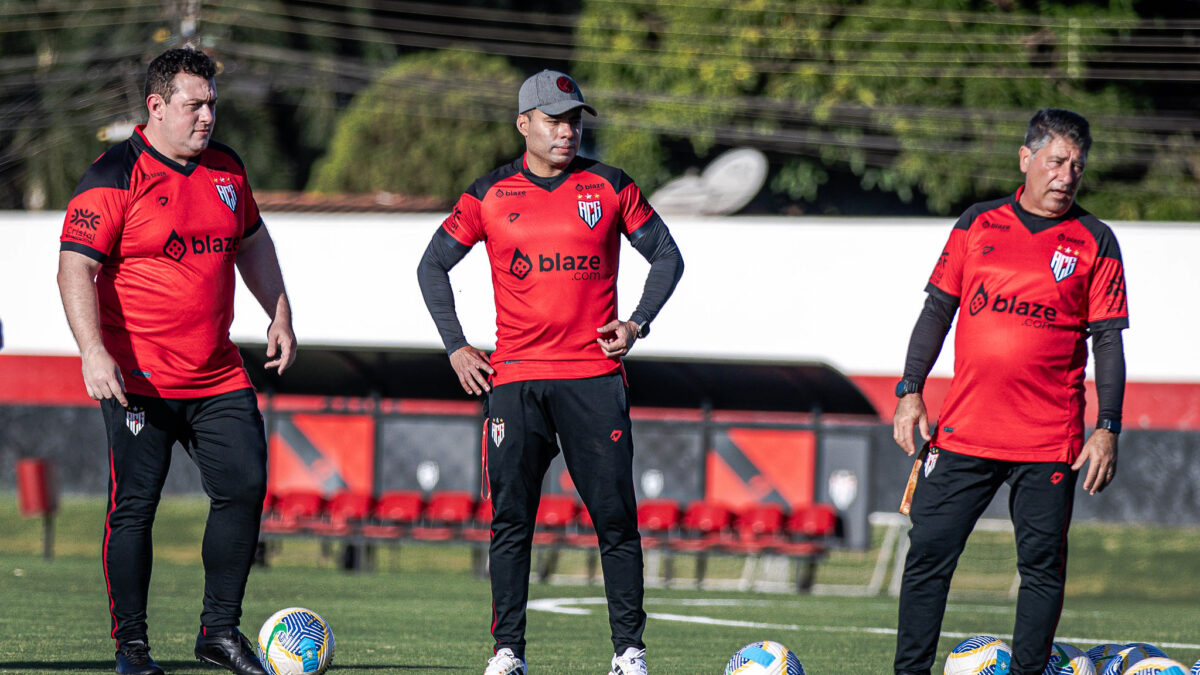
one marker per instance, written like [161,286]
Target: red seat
[344,513]
[814,521]
[294,512]
[445,515]
[657,520]
[757,527]
[480,529]
[703,526]
[554,514]
[396,511]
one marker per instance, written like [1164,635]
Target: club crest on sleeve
[497,426]
[226,191]
[590,211]
[135,418]
[1062,263]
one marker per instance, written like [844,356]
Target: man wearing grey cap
[551,223]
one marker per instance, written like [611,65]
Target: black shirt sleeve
[654,241]
[433,273]
[929,335]
[1109,350]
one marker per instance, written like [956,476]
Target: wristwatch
[1111,425]
[906,387]
[643,329]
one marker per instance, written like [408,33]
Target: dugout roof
[654,382]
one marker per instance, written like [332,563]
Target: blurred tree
[428,126]
[924,99]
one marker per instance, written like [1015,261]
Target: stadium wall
[841,291]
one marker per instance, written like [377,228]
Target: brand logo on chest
[226,191]
[1062,263]
[590,210]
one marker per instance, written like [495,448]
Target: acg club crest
[497,426]
[226,191]
[135,418]
[1062,263]
[590,211]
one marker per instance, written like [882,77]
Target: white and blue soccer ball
[1132,653]
[295,641]
[1100,654]
[1196,669]
[764,658]
[979,655]
[1068,659]
[1157,665]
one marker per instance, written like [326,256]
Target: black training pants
[590,418]
[224,436]
[945,506]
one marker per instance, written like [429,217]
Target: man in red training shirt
[1032,277]
[552,222]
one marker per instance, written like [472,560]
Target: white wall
[844,291]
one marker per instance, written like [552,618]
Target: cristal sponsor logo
[989,225]
[521,265]
[1072,240]
[940,268]
[579,187]
[454,220]
[85,219]
[1036,314]
[500,192]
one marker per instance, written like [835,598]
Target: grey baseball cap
[552,92]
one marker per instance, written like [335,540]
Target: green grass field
[423,610]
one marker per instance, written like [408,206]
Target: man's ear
[155,105]
[523,124]
[1026,156]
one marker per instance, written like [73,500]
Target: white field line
[574,606]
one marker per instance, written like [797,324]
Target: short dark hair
[1050,122]
[160,76]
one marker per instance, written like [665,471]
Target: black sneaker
[133,658]
[228,649]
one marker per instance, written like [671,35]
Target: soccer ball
[1131,654]
[1157,665]
[295,641]
[1100,654]
[764,658]
[979,655]
[1068,659]
[1196,669]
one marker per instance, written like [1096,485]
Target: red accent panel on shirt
[554,255]
[168,237]
[1026,299]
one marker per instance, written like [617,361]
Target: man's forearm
[259,267]
[77,286]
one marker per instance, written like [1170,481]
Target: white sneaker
[507,663]
[632,662]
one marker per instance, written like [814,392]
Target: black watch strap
[1109,424]
[643,329]
[906,386]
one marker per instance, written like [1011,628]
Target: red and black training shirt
[1029,291]
[167,236]
[553,246]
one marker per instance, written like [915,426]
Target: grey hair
[1050,122]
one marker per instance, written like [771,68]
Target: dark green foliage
[429,125]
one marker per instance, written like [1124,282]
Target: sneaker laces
[504,663]
[632,662]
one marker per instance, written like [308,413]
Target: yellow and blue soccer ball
[1157,665]
[979,655]
[1068,659]
[1100,654]
[295,641]
[764,658]
[1129,655]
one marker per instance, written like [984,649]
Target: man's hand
[280,336]
[910,411]
[1101,449]
[470,364]
[617,337]
[102,376]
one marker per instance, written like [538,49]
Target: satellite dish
[725,186]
